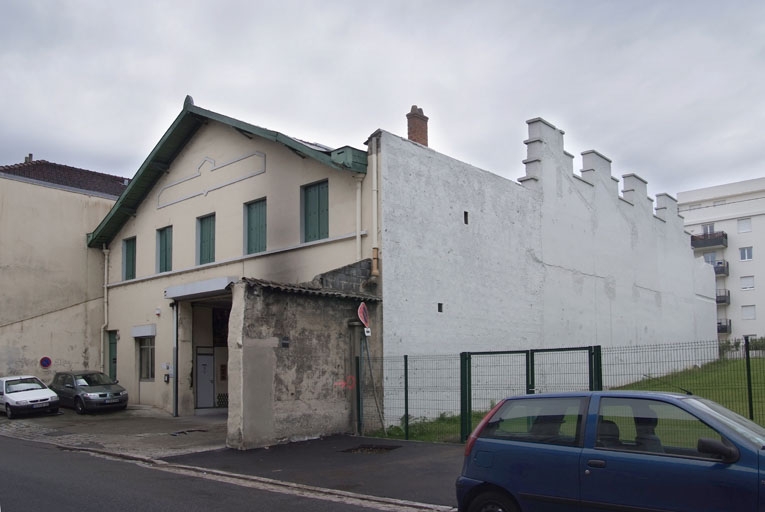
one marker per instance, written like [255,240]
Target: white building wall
[723,206]
[559,260]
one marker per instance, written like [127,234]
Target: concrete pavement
[404,475]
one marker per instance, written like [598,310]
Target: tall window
[165,249]
[710,257]
[255,226]
[746,253]
[747,282]
[128,258]
[146,358]
[206,237]
[745,225]
[316,211]
[708,229]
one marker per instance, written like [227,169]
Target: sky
[671,90]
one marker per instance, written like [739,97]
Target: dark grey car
[88,390]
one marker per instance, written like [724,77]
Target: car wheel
[79,406]
[9,412]
[54,411]
[492,502]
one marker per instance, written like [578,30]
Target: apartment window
[316,212]
[128,258]
[746,253]
[255,226]
[206,239]
[708,229]
[710,257]
[165,249]
[747,282]
[748,313]
[146,358]
[745,225]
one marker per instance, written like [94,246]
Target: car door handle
[596,463]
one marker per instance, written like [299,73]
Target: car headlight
[91,395]
[22,402]
[54,398]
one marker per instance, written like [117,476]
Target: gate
[488,377]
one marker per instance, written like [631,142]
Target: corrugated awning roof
[309,290]
[175,139]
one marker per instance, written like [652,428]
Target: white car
[24,394]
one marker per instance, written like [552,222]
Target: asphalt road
[41,477]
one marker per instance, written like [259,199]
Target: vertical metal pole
[596,368]
[464,396]
[530,378]
[406,397]
[359,398]
[749,379]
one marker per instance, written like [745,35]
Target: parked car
[25,394]
[88,390]
[613,450]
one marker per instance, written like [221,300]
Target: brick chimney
[418,126]
[28,159]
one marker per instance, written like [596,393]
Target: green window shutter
[256,227]
[316,211]
[165,241]
[128,253]
[207,239]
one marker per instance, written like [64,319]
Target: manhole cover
[372,448]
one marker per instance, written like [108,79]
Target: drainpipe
[104,337]
[375,194]
[358,217]
[174,306]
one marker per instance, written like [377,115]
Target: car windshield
[25,384]
[92,379]
[746,428]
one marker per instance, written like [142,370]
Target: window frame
[747,225]
[165,249]
[745,312]
[205,246]
[741,281]
[129,252]
[314,199]
[256,226]
[746,253]
[146,364]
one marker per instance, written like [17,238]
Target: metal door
[205,380]
[113,355]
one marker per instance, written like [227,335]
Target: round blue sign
[45,362]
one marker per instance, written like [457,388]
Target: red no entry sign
[364,314]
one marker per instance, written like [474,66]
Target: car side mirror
[726,453]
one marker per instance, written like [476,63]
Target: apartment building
[726,222]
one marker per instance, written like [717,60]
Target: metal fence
[442,397]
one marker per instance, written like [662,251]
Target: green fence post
[406,397]
[465,395]
[749,379]
[596,368]
[530,378]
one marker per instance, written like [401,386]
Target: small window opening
[466,217]
[440,307]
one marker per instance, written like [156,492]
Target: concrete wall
[291,360]
[557,260]
[51,284]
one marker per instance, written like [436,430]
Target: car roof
[618,392]
[14,377]
[78,372]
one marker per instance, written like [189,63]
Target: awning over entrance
[199,289]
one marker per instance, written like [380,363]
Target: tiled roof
[64,175]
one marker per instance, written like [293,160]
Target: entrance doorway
[205,381]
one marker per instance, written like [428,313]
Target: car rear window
[553,420]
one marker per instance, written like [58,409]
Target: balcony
[716,240]
[723,297]
[721,268]
[723,326]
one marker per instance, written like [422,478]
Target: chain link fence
[442,397]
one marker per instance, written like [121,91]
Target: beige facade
[178,318]
[51,283]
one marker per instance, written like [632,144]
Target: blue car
[612,450]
